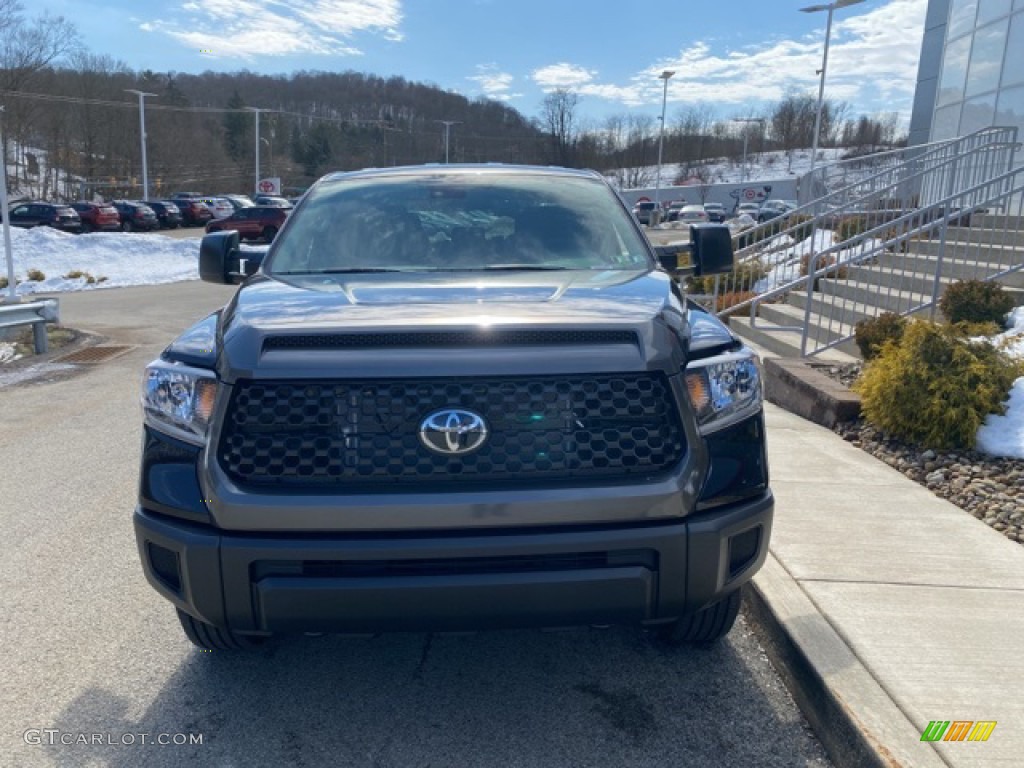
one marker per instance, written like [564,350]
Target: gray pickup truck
[451,398]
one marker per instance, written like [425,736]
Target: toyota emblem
[453,432]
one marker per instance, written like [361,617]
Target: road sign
[269,186]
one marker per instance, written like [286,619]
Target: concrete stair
[892,282]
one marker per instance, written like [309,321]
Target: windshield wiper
[347,271]
[524,267]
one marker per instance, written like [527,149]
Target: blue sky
[731,55]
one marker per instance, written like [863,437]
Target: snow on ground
[1004,435]
[124,259]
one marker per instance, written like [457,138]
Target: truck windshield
[458,221]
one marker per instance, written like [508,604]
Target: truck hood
[311,307]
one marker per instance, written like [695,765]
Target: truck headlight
[178,400]
[724,389]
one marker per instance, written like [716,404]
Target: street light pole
[256,113]
[661,137]
[824,67]
[746,135]
[447,130]
[12,295]
[142,136]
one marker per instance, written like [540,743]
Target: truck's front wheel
[211,638]
[703,627]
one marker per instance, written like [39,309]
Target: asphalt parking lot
[91,649]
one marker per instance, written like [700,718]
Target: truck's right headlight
[724,389]
[178,400]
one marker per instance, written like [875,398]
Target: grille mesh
[366,433]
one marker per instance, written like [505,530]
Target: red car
[193,212]
[258,222]
[97,217]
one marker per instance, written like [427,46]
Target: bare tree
[559,119]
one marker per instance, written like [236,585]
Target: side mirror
[674,258]
[711,245]
[218,257]
[222,261]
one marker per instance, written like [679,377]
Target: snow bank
[1004,435]
[124,259]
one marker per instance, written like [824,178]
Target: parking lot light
[661,136]
[12,296]
[142,137]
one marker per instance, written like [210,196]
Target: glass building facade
[971,73]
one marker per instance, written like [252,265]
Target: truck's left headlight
[724,389]
[178,400]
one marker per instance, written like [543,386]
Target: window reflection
[954,71]
[977,113]
[1011,107]
[961,16]
[990,10]
[946,122]
[986,58]
[1013,69]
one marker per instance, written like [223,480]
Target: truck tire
[211,638]
[703,627]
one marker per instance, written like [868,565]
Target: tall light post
[447,132]
[142,137]
[661,137]
[830,7]
[256,113]
[746,135]
[12,295]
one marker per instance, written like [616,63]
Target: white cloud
[494,83]
[873,62]
[249,29]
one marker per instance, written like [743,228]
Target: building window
[1013,69]
[990,10]
[954,71]
[946,123]
[986,58]
[1011,108]
[978,113]
[962,14]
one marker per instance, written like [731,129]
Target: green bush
[975,301]
[934,387]
[36,275]
[871,335]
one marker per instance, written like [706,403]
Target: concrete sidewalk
[888,607]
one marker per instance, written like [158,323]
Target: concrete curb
[799,388]
[855,719]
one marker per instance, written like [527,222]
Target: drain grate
[92,355]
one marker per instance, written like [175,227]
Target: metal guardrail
[37,314]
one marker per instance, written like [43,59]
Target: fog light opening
[165,566]
[743,549]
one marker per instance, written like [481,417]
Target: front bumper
[441,581]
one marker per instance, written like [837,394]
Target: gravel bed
[990,488]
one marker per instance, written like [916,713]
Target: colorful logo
[958,730]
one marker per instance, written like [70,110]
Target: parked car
[193,212]
[750,209]
[643,210]
[774,209]
[167,213]
[136,216]
[672,212]
[692,214]
[97,217]
[62,217]
[279,202]
[358,444]
[715,212]
[239,201]
[219,206]
[257,222]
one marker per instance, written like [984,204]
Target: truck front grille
[364,434]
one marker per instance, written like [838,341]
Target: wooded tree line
[66,108]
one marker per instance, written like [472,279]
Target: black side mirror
[218,257]
[222,261]
[711,245]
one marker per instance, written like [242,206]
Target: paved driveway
[90,649]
